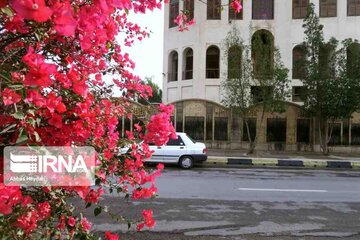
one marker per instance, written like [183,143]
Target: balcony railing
[212,73]
[172,76]
[187,74]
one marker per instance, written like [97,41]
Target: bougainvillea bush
[59,65]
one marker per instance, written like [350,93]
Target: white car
[182,151]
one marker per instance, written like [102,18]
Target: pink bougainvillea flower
[148,220]
[71,221]
[44,210]
[10,97]
[236,6]
[32,9]
[85,224]
[65,24]
[110,236]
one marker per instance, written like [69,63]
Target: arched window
[300,8]
[299,56]
[263,9]
[213,62]
[213,9]
[173,67]
[173,12]
[262,52]
[353,60]
[327,69]
[188,64]
[234,62]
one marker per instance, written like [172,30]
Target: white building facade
[192,75]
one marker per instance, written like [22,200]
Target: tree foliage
[331,81]
[156,92]
[246,86]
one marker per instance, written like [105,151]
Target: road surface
[246,204]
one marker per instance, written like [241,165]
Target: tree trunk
[252,143]
[323,135]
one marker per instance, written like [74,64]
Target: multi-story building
[195,66]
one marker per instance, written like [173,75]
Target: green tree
[245,87]
[156,92]
[332,87]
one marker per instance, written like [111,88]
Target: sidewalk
[231,158]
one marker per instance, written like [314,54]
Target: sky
[148,54]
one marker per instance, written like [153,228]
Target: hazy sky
[148,54]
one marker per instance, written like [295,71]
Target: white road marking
[281,190]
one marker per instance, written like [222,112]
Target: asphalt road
[246,204]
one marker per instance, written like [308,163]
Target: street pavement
[245,204]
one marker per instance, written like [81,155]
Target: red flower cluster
[54,58]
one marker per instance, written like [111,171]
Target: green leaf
[97,211]
[38,121]
[7,11]
[18,115]
[129,225]
[37,137]
[88,205]
[22,139]
[31,121]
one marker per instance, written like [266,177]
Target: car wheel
[186,162]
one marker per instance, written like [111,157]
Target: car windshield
[191,138]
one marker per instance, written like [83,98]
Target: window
[276,130]
[252,129]
[194,127]
[263,9]
[173,67]
[261,93]
[262,52]
[303,131]
[299,57]
[353,60]
[213,62]
[328,8]
[298,94]
[175,142]
[221,129]
[189,8]
[174,12]
[214,9]
[300,8]
[234,62]
[353,7]
[188,64]
[233,15]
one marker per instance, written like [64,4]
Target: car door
[173,150]
[158,155]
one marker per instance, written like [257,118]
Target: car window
[175,142]
[191,138]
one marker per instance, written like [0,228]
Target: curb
[281,163]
